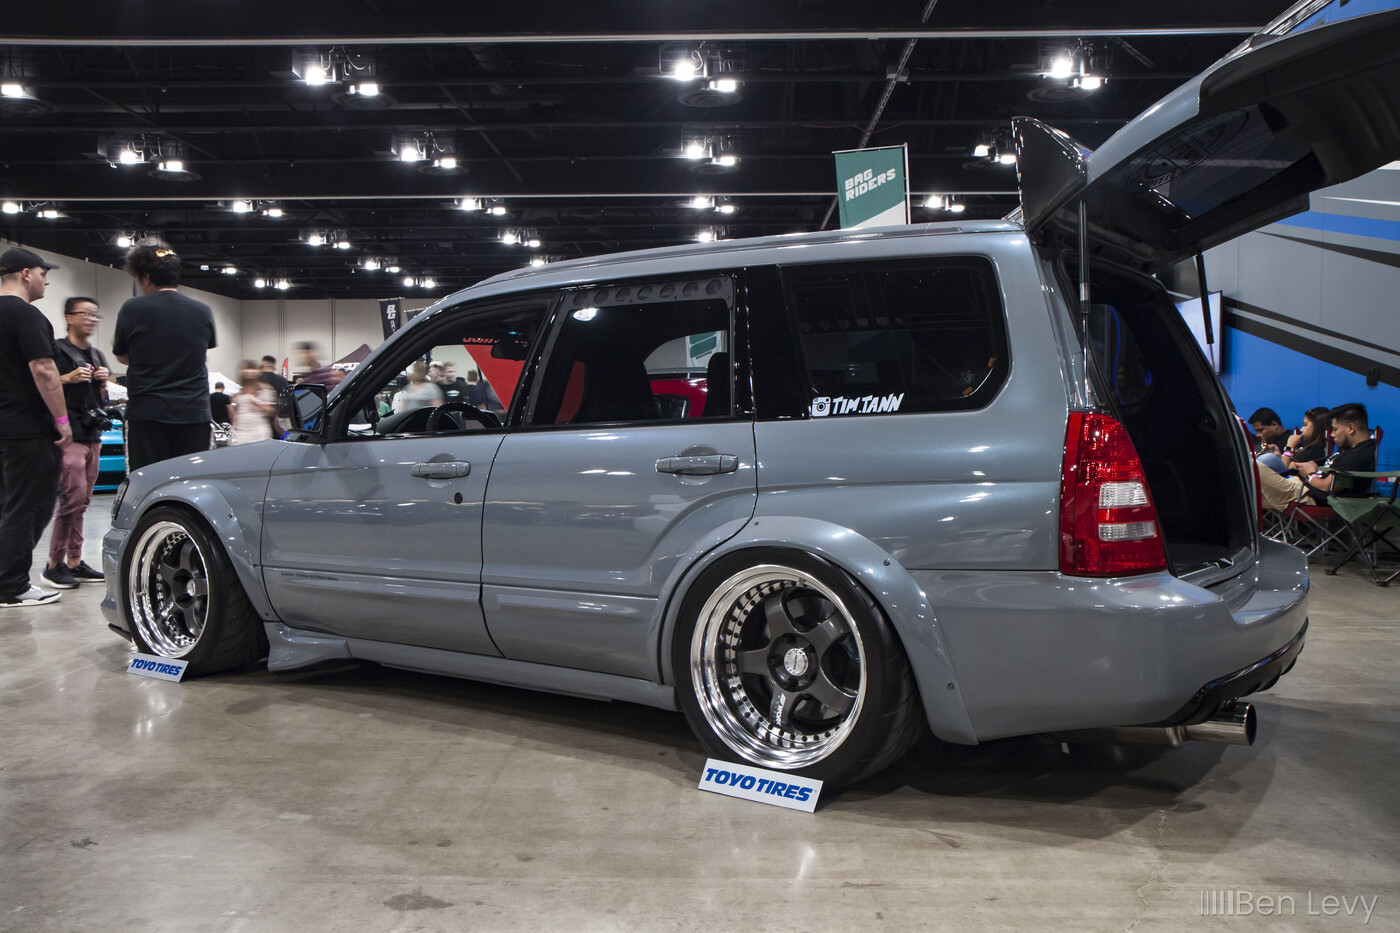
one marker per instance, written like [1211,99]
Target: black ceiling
[557,110]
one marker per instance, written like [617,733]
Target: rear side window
[878,339]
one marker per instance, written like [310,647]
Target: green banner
[872,186]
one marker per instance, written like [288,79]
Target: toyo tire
[183,599]
[783,661]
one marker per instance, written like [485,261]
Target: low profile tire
[783,661]
[183,599]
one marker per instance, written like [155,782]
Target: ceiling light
[371,264]
[273,212]
[725,86]
[229,270]
[955,207]
[365,89]
[469,204]
[410,154]
[124,240]
[510,237]
[241,206]
[700,202]
[316,74]
[725,160]
[343,243]
[391,267]
[982,151]
[695,149]
[1007,158]
[408,281]
[10,207]
[260,283]
[51,214]
[725,208]
[315,238]
[532,243]
[1061,67]
[15,91]
[682,62]
[537,261]
[707,234]
[1087,82]
[282,285]
[447,162]
[498,210]
[128,155]
[934,202]
[429,282]
[171,165]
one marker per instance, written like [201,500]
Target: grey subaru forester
[819,492]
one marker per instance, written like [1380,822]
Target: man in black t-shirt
[1356,453]
[33,424]
[218,404]
[163,337]
[84,374]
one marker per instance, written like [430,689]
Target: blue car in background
[111,463]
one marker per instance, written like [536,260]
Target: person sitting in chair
[1356,453]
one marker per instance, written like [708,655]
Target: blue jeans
[1274,462]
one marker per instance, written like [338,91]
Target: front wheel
[183,598]
[785,662]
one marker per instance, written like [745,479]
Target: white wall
[337,325]
[112,286]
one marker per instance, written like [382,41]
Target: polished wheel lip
[169,620]
[716,681]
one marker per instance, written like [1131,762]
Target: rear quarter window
[883,338]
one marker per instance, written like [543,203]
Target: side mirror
[305,405]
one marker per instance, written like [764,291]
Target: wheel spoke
[754,662]
[826,633]
[830,696]
[777,615]
[189,557]
[780,707]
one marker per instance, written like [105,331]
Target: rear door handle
[444,469]
[698,466]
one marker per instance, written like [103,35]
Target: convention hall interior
[309,161]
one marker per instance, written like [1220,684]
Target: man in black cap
[33,424]
[163,338]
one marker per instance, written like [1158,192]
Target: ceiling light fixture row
[432,155]
[380,264]
[705,202]
[357,71]
[718,82]
[336,238]
[494,208]
[281,284]
[943,202]
[44,210]
[1078,66]
[710,155]
[419,281]
[521,236]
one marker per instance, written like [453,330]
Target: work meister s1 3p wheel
[784,662]
[184,600]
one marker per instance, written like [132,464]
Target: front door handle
[698,466]
[444,469]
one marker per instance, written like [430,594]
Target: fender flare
[228,518]
[897,593]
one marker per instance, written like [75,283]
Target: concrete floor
[352,798]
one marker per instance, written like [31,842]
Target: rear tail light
[1108,524]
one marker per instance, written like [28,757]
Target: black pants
[29,471]
[150,441]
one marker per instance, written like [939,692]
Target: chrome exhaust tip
[1233,724]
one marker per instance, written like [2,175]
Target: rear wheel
[785,662]
[184,600]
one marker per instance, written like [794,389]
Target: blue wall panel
[1262,374]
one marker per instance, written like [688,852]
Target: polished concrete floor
[351,798]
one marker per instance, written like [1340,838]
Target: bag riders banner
[872,186]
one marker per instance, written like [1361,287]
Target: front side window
[460,374]
[650,352]
[887,338]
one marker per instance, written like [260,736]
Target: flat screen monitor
[1190,309]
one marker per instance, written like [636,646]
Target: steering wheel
[487,419]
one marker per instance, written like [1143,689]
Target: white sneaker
[31,597]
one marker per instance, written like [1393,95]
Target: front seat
[718,378]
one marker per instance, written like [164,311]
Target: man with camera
[83,372]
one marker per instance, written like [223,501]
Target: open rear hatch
[1307,102]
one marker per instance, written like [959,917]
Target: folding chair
[1370,521]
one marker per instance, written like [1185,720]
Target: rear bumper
[1043,652]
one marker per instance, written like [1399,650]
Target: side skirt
[292,648]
